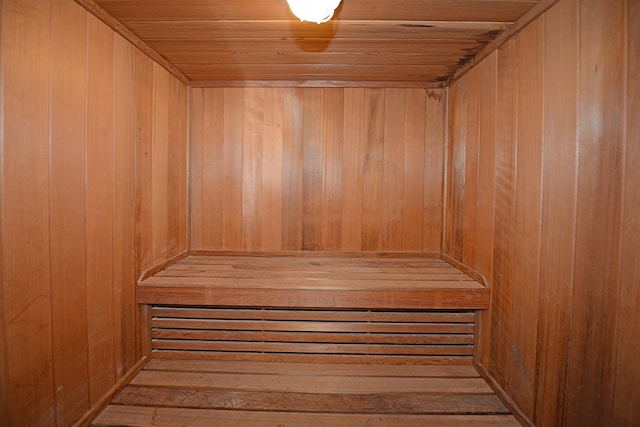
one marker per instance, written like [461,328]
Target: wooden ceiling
[391,42]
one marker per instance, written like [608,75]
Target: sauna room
[328,213]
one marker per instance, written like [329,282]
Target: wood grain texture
[528,207]
[372,173]
[99,208]
[68,240]
[432,226]
[422,42]
[350,28]
[292,169]
[177,167]
[352,167]
[210,160]
[160,197]
[598,213]
[158,417]
[124,206]
[355,394]
[625,411]
[347,334]
[486,192]
[272,164]
[393,169]
[469,192]
[25,214]
[562,215]
[456,118]
[232,168]
[75,102]
[332,169]
[144,149]
[196,154]
[294,280]
[252,165]
[558,216]
[345,171]
[504,230]
[312,118]
[414,165]
[92,7]
[155,99]
[464,10]
[329,403]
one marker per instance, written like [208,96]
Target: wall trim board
[513,30]
[317,84]
[445,168]
[116,26]
[162,265]
[95,410]
[187,170]
[4,385]
[504,397]
[477,276]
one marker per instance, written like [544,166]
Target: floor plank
[135,416]
[315,384]
[455,404]
[171,392]
[303,369]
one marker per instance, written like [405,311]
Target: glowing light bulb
[318,11]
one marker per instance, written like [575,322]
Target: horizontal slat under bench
[314,280]
[341,335]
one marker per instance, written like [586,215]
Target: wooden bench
[309,340]
[313,307]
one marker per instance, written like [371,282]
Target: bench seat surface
[315,280]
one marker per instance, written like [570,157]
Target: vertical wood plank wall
[316,169]
[92,191]
[543,149]
[543,199]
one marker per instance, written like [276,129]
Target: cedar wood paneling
[542,154]
[316,169]
[87,171]
[562,144]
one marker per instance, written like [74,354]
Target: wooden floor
[174,392]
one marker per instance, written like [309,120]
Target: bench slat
[345,308]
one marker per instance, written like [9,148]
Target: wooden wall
[92,190]
[316,169]
[544,200]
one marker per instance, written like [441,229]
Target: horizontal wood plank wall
[85,118]
[561,255]
[316,169]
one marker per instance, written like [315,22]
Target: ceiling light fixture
[318,11]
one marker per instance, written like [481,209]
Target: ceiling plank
[341,77]
[152,30]
[400,42]
[324,45]
[420,10]
[407,71]
[239,59]
[317,83]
